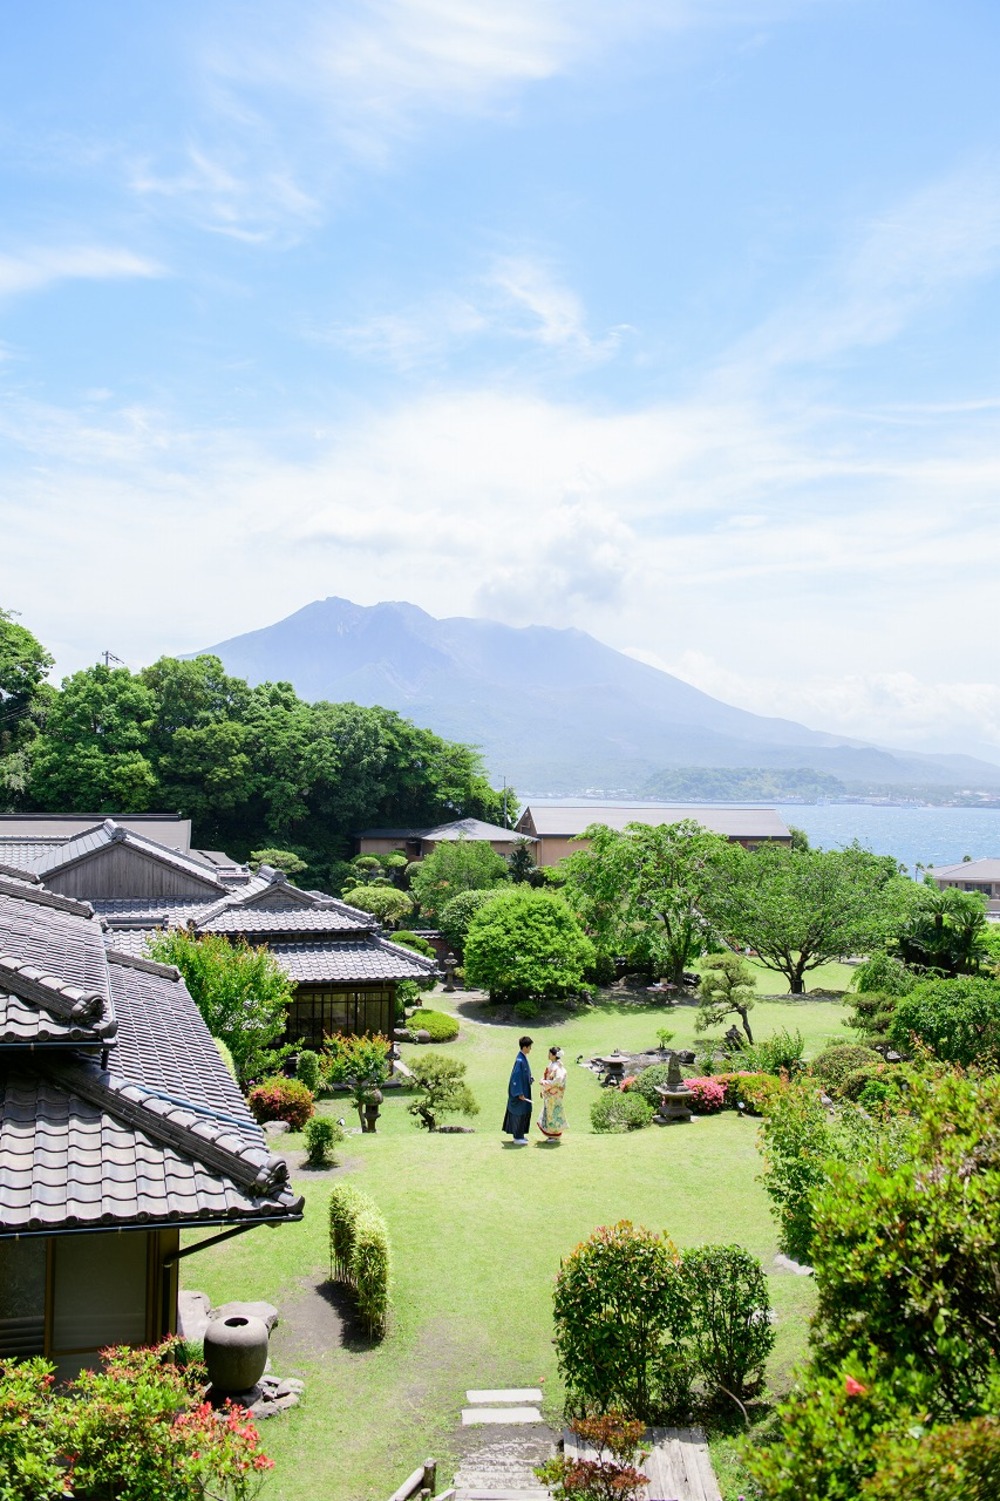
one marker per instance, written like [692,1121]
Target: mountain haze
[553,710]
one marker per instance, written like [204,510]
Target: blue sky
[676,322]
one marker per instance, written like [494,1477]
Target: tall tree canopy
[252,767]
[24,697]
[641,892]
[801,908]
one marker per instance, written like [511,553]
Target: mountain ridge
[553,709]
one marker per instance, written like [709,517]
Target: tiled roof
[160,1136]
[256,922]
[156,912]
[967,870]
[474,828]
[737,823]
[348,962]
[76,1156]
[22,853]
[109,833]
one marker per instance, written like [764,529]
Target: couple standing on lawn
[553,1088]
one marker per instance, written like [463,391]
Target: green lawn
[478,1231]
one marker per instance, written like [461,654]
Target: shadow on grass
[340,1300]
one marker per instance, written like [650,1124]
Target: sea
[912,835]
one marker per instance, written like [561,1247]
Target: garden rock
[275,1128]
[266,1312]
[421,1035]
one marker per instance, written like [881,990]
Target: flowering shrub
[282,1100]
[135,1429]
[755,1092]
[613,1475]
[709,1094]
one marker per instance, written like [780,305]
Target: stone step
[493,1398]
[511,1494]
[472,1415]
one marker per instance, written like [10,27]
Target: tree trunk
[746,1025]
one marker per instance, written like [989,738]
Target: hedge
[360,1254]
[441,1026]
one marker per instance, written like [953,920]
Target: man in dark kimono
[518,1116]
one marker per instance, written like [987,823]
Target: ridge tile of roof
[108,833]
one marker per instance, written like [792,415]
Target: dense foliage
[242,992]
[454,866]
[322,1135]
[526,946]
[361,1065]
[731,1332]
[798,909]
[942,930]
[903,1378]
[459,910]
[613,1475]
[641,892]
[255,768]
[959,1020]
[621,1318]
[135,1430]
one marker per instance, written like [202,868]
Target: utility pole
[505,822]
[110,657]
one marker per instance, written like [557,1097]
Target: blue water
[928,836]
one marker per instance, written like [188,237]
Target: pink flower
[854,1388]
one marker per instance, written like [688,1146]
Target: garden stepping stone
[504,1415]
[495,1396]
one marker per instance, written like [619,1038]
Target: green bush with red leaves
[133,1431]
[282,1100]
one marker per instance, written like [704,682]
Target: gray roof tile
[109,833]
[350,961]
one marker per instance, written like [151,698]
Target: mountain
[554,711]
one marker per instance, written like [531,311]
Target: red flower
[854,1388]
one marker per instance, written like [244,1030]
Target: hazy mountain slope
[554,710]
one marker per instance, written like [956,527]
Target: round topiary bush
[834,1065]
[645,1082]
[441,1026]
[709,1095]
[281,1100]
[617,1112]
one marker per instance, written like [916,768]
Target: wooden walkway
[678,1465]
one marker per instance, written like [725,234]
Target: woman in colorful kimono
[553,1089]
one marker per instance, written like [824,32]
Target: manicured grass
[478,1230]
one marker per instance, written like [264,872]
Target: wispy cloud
[922,249]
[518,298]
[31,270]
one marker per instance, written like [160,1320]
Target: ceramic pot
[235,1352]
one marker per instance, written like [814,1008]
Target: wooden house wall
[118,873]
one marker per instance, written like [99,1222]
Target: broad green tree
[527,946]
[385,903]
[799,909]
[93,754]
[958,1019]
[24,697]
[455,865]
[242,992]
[641,892]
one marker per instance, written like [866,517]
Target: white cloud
[31,270]
[517,299]
[924,248]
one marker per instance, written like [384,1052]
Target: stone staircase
[499,1464]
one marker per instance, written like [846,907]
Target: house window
[22,1297]
[315,1014]
[99,1292]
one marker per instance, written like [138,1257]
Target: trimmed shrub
[731,1331]
[621,1317]
[858,1081]
[458,912]
[281,1100]
[442,1090]
[618,1112]
[360,1254]
[883,974]
[645,1081]
[307,1069]
[322,1135]
[415,942]
[225,1054]
[441,1026]
[709,1095]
